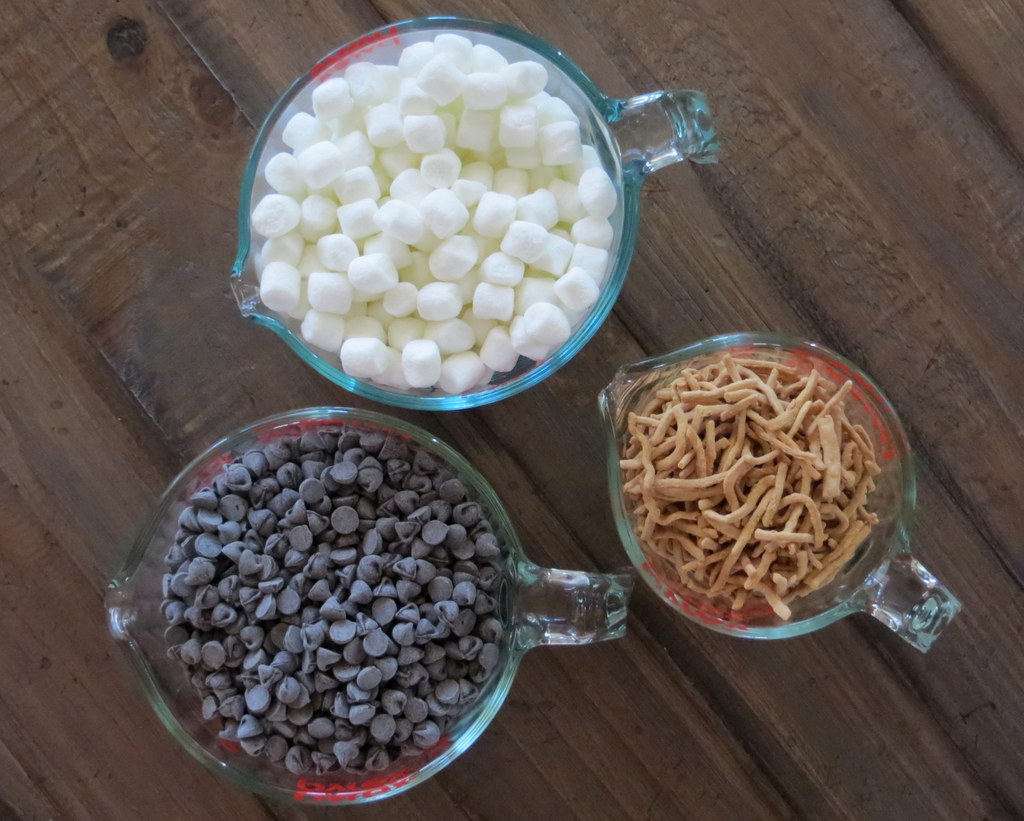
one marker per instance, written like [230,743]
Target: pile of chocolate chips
[332,596]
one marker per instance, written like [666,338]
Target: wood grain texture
[869,196]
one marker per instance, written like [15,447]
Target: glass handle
[663,127]
[910,601]
[570,606]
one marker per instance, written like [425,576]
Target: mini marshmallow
[401,300]
[441,169]
[326,331]
[384,125]
[309,261]
[332,99]
[467,285]
[501,269]
[451,125]
[567,198]
[451,335]
[366,83]
[494,301]
[364,357]
[424,133]
[443,214]
[421,363]
[453,258]
[497,352]
[517,126]
[589,159]
[418,271]
[363,327]
[525,78]
[414,57]
[526,158]
[302,130]
[555,258]
[402,331]
[480,327]
[397,250]
[539,207]
[533,290]
[469,192]
[409,186]
[477,130]
[336,251]
[375,311]
[494,214]
[427,244]
[414,100]
[546,323]
[396,160]
[560,143]
[439,300]
[555,110]
[577,290]
[357,311]
[275,215]
[301,307]
[592,260]
[329,292]
[597,193]
[542,176]
[280,285]
[320,164]
[373,273]
[484,91]
[282,174]
[287,248]
[524,240]
[462,371]
[357,184]
[480,172]
[526,345]
[456,47]
[593,231]
[357,218]
[393,376]
[401,220]
[355,149]
[441,78]
[486,58]
[319,217]
[512,181]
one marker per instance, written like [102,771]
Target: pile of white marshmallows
[435,220]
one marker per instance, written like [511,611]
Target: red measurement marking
[341,57]
[230,746]
[706,613]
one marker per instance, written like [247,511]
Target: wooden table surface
[869,196]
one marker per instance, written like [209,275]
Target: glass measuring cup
[633,138]
[883,578]
[536,605]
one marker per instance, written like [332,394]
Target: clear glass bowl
[633,138]
[537,605]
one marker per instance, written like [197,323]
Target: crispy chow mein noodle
[749,480]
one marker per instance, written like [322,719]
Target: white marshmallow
[401,300]
[282,174]
[542,176]
[533,290]
[469,192]
[319,217]
[560,143]
[414,100]
[373,273]
[539,207]
[501,269]
[480,172]
[453,258]
[287,248]
[375,311]
[494,214]
[326,331]
[458,48]
[396,160]
[301,307]
[393,376]
[517,126]
[592,260]
[559,232]
[356,149]
[363,327]
[280,285]
[481,327]
[439,300]
[418,271]
[567,198]
[512,181]
[424,133]
[401,220]
[275,215]
[524,345]
[526,158]
[358,310]
[427,244]
[364,357]
[546,323]
[332,99]
[486,58]
[555,110]
[484,91]
[414,57]
[384,125]
[525,78]
[494,301]
[441,169]
[358,183]
[462,371]
[451,125]
[477,130]
[593,231]
[421,363]
[329,292]
[402,331]
[320,164]
[555,258]
[466,287]
[302,130]
[497,352]
[309,261]
[366,83]
[441,78]
[443,214]
[397,250]
[451,335]
[357,218]
[409,186]
[525,241]
[597,193]
[576,290]
[336,251]
[589,159]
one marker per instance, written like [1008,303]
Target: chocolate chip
[345,520]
